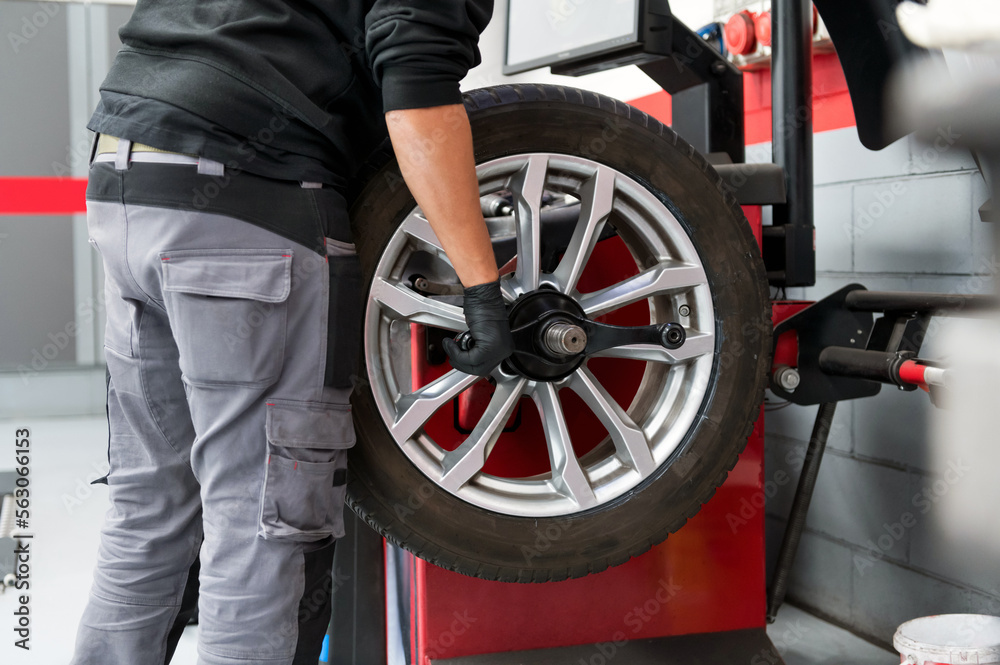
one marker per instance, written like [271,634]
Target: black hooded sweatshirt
[288,89]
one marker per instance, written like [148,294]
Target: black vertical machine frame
[357,632]
[789,246]
[707,95]
[707,89]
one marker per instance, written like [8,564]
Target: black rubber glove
[491,341]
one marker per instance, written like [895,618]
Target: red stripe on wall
[42,196]
[832,107]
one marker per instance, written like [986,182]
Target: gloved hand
[491,341]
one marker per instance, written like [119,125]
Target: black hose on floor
[800,508]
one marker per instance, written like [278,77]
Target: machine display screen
[548,32]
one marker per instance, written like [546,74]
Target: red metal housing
[706,578]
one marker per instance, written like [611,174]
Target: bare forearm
[434,148]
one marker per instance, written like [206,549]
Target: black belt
[298,213]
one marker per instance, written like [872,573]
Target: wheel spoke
[568,477]
[508,287]
[661,279]
[407,304]
[597,199]
[418,228]
[528,185]
[695,346]
[416,408]
[630,442]
[461,464]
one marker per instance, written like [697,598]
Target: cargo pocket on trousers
[305,480]
[343,333]
[227,312]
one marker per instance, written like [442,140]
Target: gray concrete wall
[51,329]
[875,552]
[36,262]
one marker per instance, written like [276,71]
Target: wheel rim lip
[609,477]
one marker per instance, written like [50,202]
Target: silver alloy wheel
[642,436]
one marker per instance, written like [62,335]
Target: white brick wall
[906,219]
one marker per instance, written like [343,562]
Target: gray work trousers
[225,443]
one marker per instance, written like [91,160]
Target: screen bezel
[566,57]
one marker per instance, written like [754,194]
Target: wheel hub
[553,336]
[564,339]
[549,344]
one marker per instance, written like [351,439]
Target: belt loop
[93,149]
[210,167]
[121,156]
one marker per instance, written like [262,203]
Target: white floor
[67,512]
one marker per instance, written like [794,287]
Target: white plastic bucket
[949,639]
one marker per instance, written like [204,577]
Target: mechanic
[227,133]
